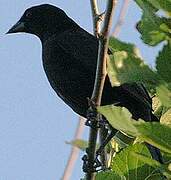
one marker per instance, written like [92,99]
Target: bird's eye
[28,14]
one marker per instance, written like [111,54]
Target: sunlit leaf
[153,29]
[166,117]
[125,68]
[79,143]
[161,4]
[163,63]
[116,45]
[164,94]
[151,162]
[146,6]
[123,140]
[124,163]
[119,118]
[152,132]
[155,133]
[108,175]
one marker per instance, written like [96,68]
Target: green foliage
[156,134]
[163,63]
[128,165]
[166,117]
[153,29]
[164,94]
[79,143]
[132,159]
[161,4]
[109,175]
[119,118]
[123,140]
[151,132]
[116,45]
[124,67]
[153,163]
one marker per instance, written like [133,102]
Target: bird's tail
[155,153]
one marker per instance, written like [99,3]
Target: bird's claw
[92,118]
[103,123]
[94,168]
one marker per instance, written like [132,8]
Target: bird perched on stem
[69,56]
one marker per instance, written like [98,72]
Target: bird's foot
[96,165]
[103,123]
[89,166]
[94,122]
[92,118]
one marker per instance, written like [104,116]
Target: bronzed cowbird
[69,56]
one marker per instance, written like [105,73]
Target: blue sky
[35,123]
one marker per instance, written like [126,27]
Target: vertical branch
[121,18]
[75,151]
[100,76]
[95,16]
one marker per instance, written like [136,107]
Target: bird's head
[42,20]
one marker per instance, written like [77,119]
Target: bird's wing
[135,98]
[84,47]
[81,46]
[138,92]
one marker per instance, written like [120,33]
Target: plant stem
[95,15]
[100,74]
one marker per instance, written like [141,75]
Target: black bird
[69,56]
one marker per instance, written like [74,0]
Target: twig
[100,75]
[75,151]
[121,18]
[95,15]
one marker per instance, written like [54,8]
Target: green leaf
[164,94]
[166,117]
[116,45]
[151,162]
[125,68]
[157,107]
[153,29]
[119,118]
[79,143]
[156,176]
[146,6]
[123,140]
[124,163]
[155,133]
[109,175]
[161,4]
[163,63]
[152,132]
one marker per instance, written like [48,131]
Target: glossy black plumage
[69,59]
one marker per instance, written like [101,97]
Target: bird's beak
[18,27]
